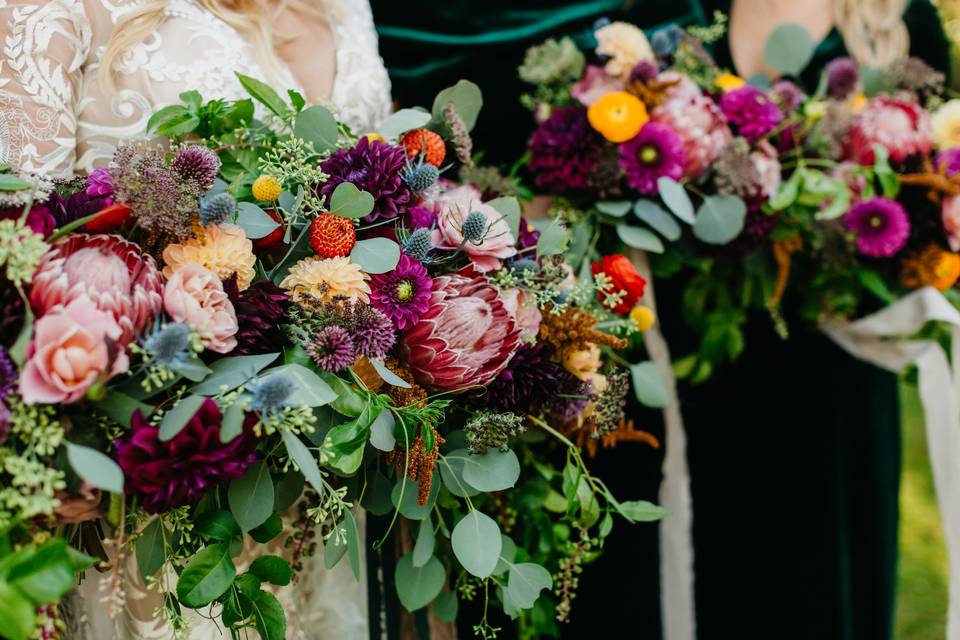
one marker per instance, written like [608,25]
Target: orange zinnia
[618,116]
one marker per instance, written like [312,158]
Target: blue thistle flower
[474,227]
[525,264]
[418,244]
[271,394]
[217,209]
[420,176]
[665,41]
[169,345]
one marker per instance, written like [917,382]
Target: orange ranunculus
[931,267]
[622,286]
[618,116]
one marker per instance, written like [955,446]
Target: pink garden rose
[697,119]
[452,208]
[594,84]
[73,347]
[524,311]
[950,211]
[194,295]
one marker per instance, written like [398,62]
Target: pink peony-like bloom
[594,84]
[950,212]
[194,295]
[524,311]
[465,338]
[452,208]
[899,125]
[73,347]
[115,274]
[697,119]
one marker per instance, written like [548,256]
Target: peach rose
[524,311]
[194,295]
[452,208]
[73,347]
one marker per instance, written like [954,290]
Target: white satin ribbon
[883,339]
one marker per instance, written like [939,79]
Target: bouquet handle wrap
[676,535]
[875,340]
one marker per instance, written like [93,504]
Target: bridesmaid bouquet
[243,336]
[825,202]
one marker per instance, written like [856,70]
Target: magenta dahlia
[901,126]
[564,150]
[166,475]
[375,167]
[466,337]
[116,274]
[752,111]
[403,295]
[881,226]
[656,152]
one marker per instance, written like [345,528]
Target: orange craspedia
[618,116]
[931,267]
[332,236]
[426,142]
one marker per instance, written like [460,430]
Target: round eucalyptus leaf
[720,219]
[418,586]
[789,48]
[477,544]
[639,238]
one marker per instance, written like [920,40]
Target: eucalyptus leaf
[525,582]
[476,543]
[388,376]
[553,240]
[789,48]
[418,586]
[614,208]
[377,499]
[445,607]
[402,121]
[648,385]
[640,511]
[97,469]
[467,99]
[230,373]
[304,460]
[350,202]
[311,389]
[494,470]
[509,208]
[381,431]
[662,222]
[232,424]
[404,498]
[206,577]
[720,219]
[317,126]
[251,496]
[675,197]
[353,542]
[426,541]
[639,238]
[451,471]
[120,407]
[177,417]
[254,221]
[376,255]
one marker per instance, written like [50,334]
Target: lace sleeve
[42,55]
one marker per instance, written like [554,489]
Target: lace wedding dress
[56,119]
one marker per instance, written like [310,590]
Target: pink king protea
[114,273]
[465,338]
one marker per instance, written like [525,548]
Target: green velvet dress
[794,450]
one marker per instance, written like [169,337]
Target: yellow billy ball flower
[266,189]
[729,81]
[643,317]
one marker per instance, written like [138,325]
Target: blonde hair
[251,18]
[873,30]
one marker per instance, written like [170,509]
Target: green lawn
[922,573]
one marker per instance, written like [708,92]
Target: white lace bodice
[56,118]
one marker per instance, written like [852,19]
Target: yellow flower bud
[643,317]
[373,136]
[729,81]
[266,189]
[857,102]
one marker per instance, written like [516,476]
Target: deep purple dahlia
[374,167]
[564,150]
[531,378]
[527,236]
[881,226]
[166,475]
[403,295]
[40,220]
[751,110]
[656,152]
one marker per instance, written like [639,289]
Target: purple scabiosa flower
[177,472]
[197,162]
[332,349]
[403,295]
[948,161]
[656,152]
[100,183]
[376,336]
[787,95]
[261,309]
[529,379]
[842,77]
[881,226]
[752,111]
[375,167]
[564,150]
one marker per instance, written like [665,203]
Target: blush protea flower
[899,125]
[465,338]
[752,111]
[564,150]
[697,120]
[656,152]
[372,166]
[115,274]
[178,472]
[403,295]
[881,226]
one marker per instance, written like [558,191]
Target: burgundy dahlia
[527,235]
[752,111]
[372,166]
[564,150]
[881,226]
[403,295]
[166,475]
[530,380]
[39,220]
[656,152]
[261,309]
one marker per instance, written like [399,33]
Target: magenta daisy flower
[403,295]
[752,111]
[656,152]
[881,225]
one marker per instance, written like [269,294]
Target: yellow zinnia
[224,249]
[945,125]
[325,279]
[618,116]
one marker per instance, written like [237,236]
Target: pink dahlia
[881,226]
[697,120]
[403,295]
[180,471]
[116,275]
[656,152]
[465,338]
[901,126]
[752,111]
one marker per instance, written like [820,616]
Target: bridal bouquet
[832,200]
[243,336]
